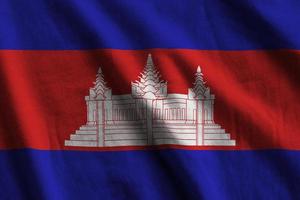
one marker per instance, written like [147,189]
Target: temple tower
[96,105]
[199,91]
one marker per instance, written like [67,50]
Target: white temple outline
[149,115]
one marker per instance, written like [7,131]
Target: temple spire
[149,61]
[150,86]
[99,85]
[199,85]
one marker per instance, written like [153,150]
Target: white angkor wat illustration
[149,115]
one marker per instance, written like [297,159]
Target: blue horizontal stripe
[159,174]
[137,24]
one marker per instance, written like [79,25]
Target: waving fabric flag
[194,99]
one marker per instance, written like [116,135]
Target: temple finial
[149,60]
[199,69]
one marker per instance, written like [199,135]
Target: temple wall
[127,121]
[126,109]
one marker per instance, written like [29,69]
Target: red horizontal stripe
[42,92]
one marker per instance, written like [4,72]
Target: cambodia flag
[136,99]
